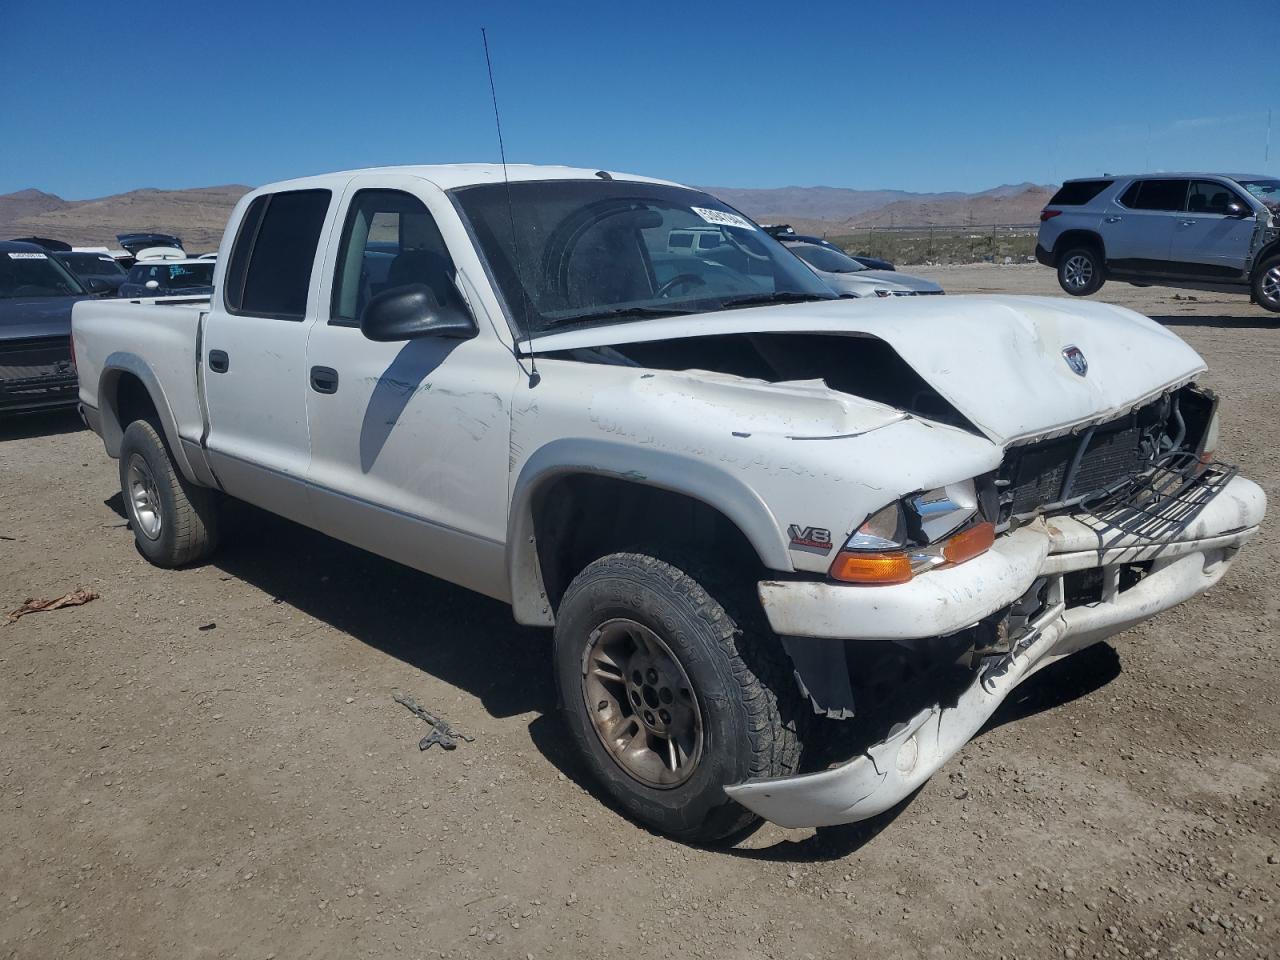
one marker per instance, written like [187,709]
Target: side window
[1209,196]
[389,240]
[270,268]
[1162,195]
[1130,197]
[136,275]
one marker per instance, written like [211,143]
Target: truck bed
[166,331]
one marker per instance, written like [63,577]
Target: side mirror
[412,311]
[96,286]
[1237,209]
[152,285]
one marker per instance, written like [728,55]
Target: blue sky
[918,96]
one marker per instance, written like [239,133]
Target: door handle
[1112,219]
[219,362]
[324,380]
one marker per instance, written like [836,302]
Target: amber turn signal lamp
[882,568]
[968,544]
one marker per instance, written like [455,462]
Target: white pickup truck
[795,549]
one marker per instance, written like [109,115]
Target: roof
[449,176]
[1175,175]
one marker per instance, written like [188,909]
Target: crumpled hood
[999,360]
[36,317]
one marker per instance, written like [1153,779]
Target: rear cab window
[269,273]
[1078,192]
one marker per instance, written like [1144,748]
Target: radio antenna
[511,216]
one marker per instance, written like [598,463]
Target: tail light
[1049,214]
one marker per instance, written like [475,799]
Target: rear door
[255,350]
[1137,228]
[410,441]
[1207,240]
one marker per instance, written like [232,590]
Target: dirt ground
[209,763]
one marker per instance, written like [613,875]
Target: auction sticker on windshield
[722,219]
[27,256]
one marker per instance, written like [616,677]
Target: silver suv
[1199,231]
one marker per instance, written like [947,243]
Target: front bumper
[944,601]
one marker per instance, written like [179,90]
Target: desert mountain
[832,209]
[197,215]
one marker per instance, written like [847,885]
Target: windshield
[1267,191]
[29,274]
[92,264]
[825,259]
[190,275]
[593,251]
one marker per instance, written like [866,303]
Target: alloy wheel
[1077,272]
[144,498]
[642,704]
[1271,284]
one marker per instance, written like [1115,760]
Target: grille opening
[1053,474]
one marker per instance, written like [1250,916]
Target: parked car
[135,243]
[748,508]
[784,232]
[36,296]
[99,268]
[849,278]
[168,278]
[45,243]
[1196,231]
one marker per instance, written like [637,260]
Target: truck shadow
[27,426]
[471,642]
[1266,321]
[458,636]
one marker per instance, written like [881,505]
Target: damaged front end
[1098,530]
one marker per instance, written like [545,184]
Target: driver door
[1208,241]
[410,440]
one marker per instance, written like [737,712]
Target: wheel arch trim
[118,365]
[687,476]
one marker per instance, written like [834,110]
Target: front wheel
[174,521]
[1266,285]
[669,697]
[1080,271]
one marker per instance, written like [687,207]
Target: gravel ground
[208,763]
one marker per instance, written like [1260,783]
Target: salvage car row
[795,547]
[40,280]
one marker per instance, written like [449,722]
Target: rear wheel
[1266,285]
[174,521]
[670,697]
[1080,271]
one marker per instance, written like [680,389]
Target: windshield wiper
[778,296]
[618,313]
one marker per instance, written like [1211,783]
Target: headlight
[915,534]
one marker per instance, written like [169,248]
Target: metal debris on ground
[39,605]
[441,732]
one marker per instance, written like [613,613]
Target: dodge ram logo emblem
[1075,360]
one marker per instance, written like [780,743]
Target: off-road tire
[1081,271]
[188,531]
[1266,284]
[752,714]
